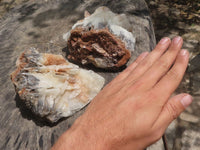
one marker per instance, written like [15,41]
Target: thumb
[172,109]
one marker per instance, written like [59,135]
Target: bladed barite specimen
[51,86]
[102,39]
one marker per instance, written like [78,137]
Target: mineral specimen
[51,86]
[102,39]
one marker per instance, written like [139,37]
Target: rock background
[172,18]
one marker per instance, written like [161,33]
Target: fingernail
[184,52]
[164,40]
[186,100]
[177,39]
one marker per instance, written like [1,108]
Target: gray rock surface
[189,118]
[41,24]
[190,140]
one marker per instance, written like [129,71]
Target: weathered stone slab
[190,140]
[41,24]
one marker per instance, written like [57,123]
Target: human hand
[134,110]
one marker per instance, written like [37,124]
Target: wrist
[80,138]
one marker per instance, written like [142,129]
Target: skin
[134,110]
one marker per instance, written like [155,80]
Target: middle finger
[160,67]
[146,63]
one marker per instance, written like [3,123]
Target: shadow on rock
[26,11]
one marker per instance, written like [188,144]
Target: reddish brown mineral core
[99,47]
